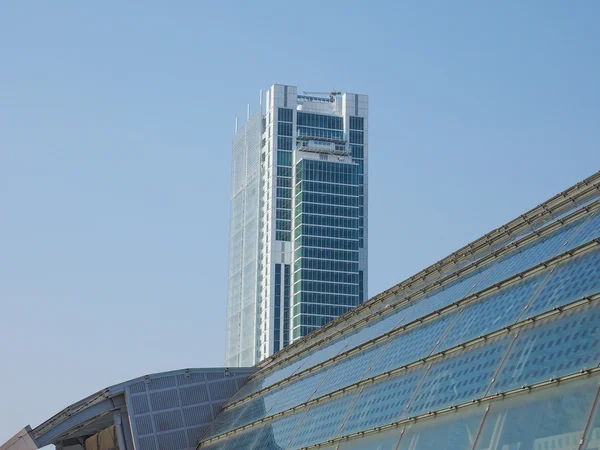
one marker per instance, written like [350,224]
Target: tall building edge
[309,255]
[242,289]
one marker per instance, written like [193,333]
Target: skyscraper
[298,232]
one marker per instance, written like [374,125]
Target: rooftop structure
[161,411]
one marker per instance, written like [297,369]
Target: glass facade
[284,177]
[500,352]
[309,240]
[324,288]
[242,288]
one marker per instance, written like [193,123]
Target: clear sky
[115,145]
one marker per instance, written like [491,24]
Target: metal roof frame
[523,390]
[584,301]
[83,414]
[402,301]
[421,320]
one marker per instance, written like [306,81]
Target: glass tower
[298,232]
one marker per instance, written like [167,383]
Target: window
[284,158]
[284,143]
[357,123]
[320,121]
[357,137]
[284,129]
[285,115]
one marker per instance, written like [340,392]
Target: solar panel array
[501,351]
[171,412]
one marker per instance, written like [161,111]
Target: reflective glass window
[454,431]
[285,114]
[382,402]
[576,278]
[532,254]
[588,232]
[411,345]
[348,371]
[551,419]
[323,420]
[301,390]
[278,433]
[492,312]
[554,347]
[592,438]
[451,293]
[459,377]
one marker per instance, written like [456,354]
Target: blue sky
[115,129]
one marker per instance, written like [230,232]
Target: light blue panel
[226,421]
[376,328]
[233,418]
[551,419]
[279,433]
[252,386]
[309,360]
[592,438]
[417,309]
[412,345]
[288,370]
[301,390]
[589,232]
[373,329]
[274,435]
[531,255]
[324,420]
[570,281]
[440,299]
[256,409]
[555,347]
[271,403]
[455,431]
[382,402]
[492,312]
[460,377]
[348,371]
[242,415]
